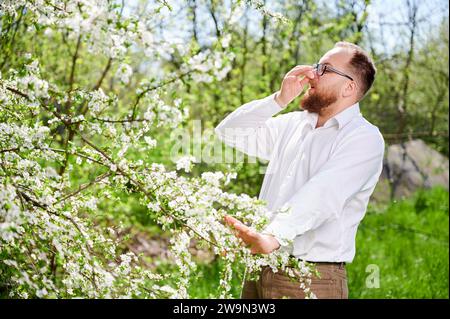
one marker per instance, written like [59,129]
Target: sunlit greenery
[247,57]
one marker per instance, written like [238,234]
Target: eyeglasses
[322,68]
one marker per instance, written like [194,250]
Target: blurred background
[404,237]
[403,240]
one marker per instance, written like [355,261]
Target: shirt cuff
[284,235]
[281,106]
[268,106]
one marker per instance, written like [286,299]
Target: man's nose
[312,74]
[314,81]
[315,78]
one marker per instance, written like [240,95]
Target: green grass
[206,283]
[407,241]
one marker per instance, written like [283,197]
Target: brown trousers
[332,284]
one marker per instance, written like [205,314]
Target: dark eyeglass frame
[322,68]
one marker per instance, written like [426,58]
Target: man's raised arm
[251,128]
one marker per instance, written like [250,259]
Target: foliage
[92,93]
[69,149]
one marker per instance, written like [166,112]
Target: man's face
[327,89]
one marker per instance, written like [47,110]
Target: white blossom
[50,214]
[124,72]
[185,163]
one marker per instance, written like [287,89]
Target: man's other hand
[259,243]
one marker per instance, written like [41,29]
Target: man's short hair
[362,66]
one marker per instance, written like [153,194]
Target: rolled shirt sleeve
[355,165]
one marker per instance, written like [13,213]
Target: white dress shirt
[323,176]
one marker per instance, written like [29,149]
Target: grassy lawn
[408,242]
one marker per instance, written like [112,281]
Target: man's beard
[315,102]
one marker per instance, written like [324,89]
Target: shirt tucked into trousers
[317,185]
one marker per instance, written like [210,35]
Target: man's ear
[350,89]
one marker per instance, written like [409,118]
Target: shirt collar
[341,118]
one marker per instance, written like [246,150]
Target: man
[324,163]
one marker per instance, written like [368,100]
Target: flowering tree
[69,144]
